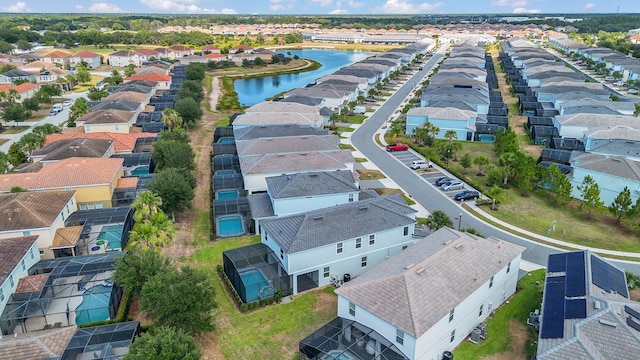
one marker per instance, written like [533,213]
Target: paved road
[424,193]
[57,119]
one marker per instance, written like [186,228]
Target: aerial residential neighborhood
[404,185]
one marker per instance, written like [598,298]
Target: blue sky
[320,6]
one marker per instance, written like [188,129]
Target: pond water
[253,91]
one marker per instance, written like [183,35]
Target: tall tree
[137,266]
[183,299]
[154,233]
[173,154]
[496,194]
[621,204]
[189,110]
[438,219]
[481,161]
[17,154]
[590,194]
[174,189]
[82,73]
[451,135]
[506,141]
[78,109]
[146,204]
[16,113]
[129,70]
[166,343]
[5,165]
[171,119]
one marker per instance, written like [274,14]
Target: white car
[67,103]
[632,91]
[420,164]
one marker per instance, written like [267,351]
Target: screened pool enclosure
[102,342]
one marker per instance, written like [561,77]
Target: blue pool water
[229,225]
[227,194]
[225,172]
[112,234]
[226,140]
[141,170]
[94,306]
[256,285]
[337,355]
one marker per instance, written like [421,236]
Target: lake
[253,91]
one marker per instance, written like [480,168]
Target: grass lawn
[500,337]
[347,147]
[86,86]
[361,160]
[344,129]
[388,191]
[13,129]
[370,175]
[272,332]
[354,119]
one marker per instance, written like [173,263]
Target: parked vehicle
[452,185]
[57,107]
[397,147]
[370,100]
[442,180]
[609,78]
[420,68]
[619,83]
[420,164]
[632,91]
[467,195]
[67,103]
[53,112]
[359,110]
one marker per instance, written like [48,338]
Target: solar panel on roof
[618,281]
[553,309]
[600,274]
[557,262]
[634,324]
[576,282]
[575,309]
[632,312]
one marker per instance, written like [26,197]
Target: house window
[405,231]
[339,248]
[404,247]
[11,281]
[41,252]
[451,313]
[490,282]
[358,243]
[350,197]
[1,295]
[117,127]
[26,233]
[67,188]
[99,205]
[62,215]
[363,261]
[33,256]
[266,237]
[453,335]
[352,309]
[23,265]
[508,267]
[281,254]
[325,272]
[87,128]
[372,239]
[399,336]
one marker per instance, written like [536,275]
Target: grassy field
[527,298]
[272,332]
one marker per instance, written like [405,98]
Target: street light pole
[459,221]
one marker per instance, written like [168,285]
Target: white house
[463,122]
[92,59]
[611,173]
[424,301]
[37,213]
[17,255]
[317,247]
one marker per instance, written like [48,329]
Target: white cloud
[18,7]
[183,6]
[355,4]
[405,7]
[323,3]
[521,10]
[338,12]
[281,5]
[510,3]
[104,8]
[589,6]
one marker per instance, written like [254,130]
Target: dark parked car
[467,195]
[442,180]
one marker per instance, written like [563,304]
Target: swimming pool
[227,194]
[140,170]
[229,225]
[112,234]
[226,140]
[94,306]
[337,355]
[225,172]
[256,285]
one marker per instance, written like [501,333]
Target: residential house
[586,310]
[45,344]
[117,104]
[319,246]
[57,57]
[78,147]
[11,76]
[241,49]
[188,59]
[210,49]
[25,90]
[92,59]
[134,96]
[215,57]
[93,179]
[256,168]
[274,118]
[122,58]
[274,131]
[417,305]
[144,55]
[17,255]
[618,140]
[283,145]
[611,173]
[115,121]
[178,51]
[334,98]
[122,143]
[39,214]
[463,122]
[163,81]
[576,125]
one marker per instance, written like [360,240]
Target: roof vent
[448,242]
[420,270]
[458,246]
[313,175]
[409,266]
[318,217]
[597,305]
[362,207]
[608,323]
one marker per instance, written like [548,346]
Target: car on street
[452,185]
[632,91]
[67,103]
[466,195]
[609,78]
[53,112]
[442,180]
[397,147]
[420,164]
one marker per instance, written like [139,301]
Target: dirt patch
[370,175]
[519,334]
[634,294]
[325,303]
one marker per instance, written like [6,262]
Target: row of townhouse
[587,133]
[140,56]
[59,57]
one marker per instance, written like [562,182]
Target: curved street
[427,195]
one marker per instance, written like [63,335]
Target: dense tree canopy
[165,343]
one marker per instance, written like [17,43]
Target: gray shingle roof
[32,209]
[309,184]
[611,165]
[334,224]
[291,144]
[76,147]
[254,132]
[260,205]
[416,288]
[296,162]
[114,105]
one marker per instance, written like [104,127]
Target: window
[62,215]
[352,309]
[358,243]
[405,231]
[372,239]
[325,272]
[117,127]
[404,247]
[87,128]
[26,233]
[350,197]
[11,281]
[481,308]
[490,282]
[68,188]
[266,237]
[23,265]
[451,314]
[399,336]
[339,248]
[33,256]
[281,254]
[508,267]
[453,335]
[41,252]
[363,261]
[1,295]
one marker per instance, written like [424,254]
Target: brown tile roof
[147,52]
[12,250]
[122,142]
[414,289]
[33,283]
[109,116]
[37,345]
[127,182]
[86,54]
[65,173]
[37,65]
[32,209]
[127,95]
[150,77]
[57,54]
[66,237]
[80,147]
[22,88]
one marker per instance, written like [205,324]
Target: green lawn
[354,119]
[344,129]
[346,147]
[9,130]
[272,332]
[527,298]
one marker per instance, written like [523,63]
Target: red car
[397,147]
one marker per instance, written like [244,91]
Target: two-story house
[17,255]
[463,122]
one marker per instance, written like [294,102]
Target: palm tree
[171,119]
[145,205]
[142,235]
[451,135]
[495,194]
[164,229]
[395,129]
[481,161]
[431,131]
[438,219]
[360,99]
[351,105]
